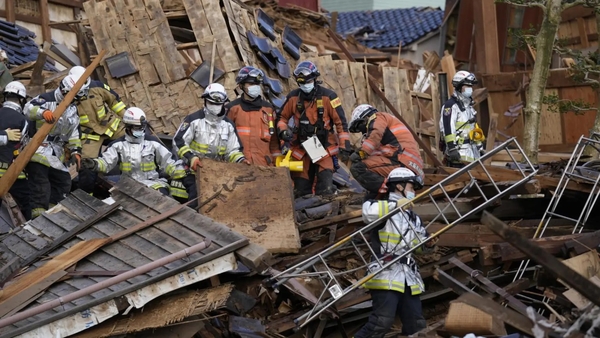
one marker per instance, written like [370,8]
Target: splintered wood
[256,202]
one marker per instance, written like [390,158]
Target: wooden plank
[316,224]
[45,23]
[492,129]
[220,31]
[583,33]
[360,92]
[486,36]
[346,94]
[436,107]
[405,99]
[202,31]
[449,68]
[391,85]
[10,10]
[578,124]
[254,202]
[162,33]
[510,82]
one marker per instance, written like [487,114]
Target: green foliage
[558,105]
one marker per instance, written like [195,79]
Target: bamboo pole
[7,180]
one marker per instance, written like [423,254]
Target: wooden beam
[45,17]
[486,37]
[492,128]
[576,12]
[36,20]
[329,221]
[22,68]
[581,26]
[10,10]
[68,3]
[187,45]
[510,82]
[578,40]
[558,269]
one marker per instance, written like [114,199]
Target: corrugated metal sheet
[347,6]
[180,231]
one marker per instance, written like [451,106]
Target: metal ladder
[570,175]
[317,266]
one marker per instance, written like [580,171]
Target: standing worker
[463,139]
[206,133]
[387,145]
[396,289]
[13,137]
[309,118]
[254,119]
[139,156]
[100,116]
[49,177]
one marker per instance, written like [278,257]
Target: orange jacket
[251,120]
[334,120]
[388,137]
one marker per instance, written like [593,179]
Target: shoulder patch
[106,87]
[184,125]
[447,111]
[336,102]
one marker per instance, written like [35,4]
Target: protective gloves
[48,117]
[13,134]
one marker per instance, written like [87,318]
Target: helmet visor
[302,72]
[217,97]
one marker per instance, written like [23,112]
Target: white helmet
[215,93]
[69,82]
[358,114]
[134,116]
[17,88]
[77,72]
[402,175]
[463,78]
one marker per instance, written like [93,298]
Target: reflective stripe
[333,150]
[75,142]
[118,107]
[368,146]
[101,113]
[110,131]
[157,186]
[201,148]
[177,189]
[35,212]
[92,137]
[21,174]
[298,154]
[450,138]
[183,150]
[389,237]
[413,156]
[385,284]
[174,173]
[243,131]
[148,166]
[384,208]
[398,129]
[83,119]
[343,136]
[236,157]
[125,166]
[101,165]
[40,159]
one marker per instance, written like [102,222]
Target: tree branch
[525,3]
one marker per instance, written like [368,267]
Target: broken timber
[549,262]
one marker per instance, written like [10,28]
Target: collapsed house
[139,264]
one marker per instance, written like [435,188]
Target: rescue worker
[458,122]
[49,177]
[13,137]
[313,111]
[207,133]
[395,290]
[254,119]
[139,155]
[387,145]
[78,71]
[100,113]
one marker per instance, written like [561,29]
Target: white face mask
[254,91]
[214,109]
[468,92]
[307,87]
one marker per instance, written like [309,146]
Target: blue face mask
[468,92]
[307,87]
[137,133]
[409,194]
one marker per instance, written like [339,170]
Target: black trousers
[368,179]
[47,186]
[189,184]
[20,193]
[323,187]
[386,305]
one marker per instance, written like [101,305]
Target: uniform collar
[13,105]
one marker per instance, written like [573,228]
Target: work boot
[325,183]
[302,187]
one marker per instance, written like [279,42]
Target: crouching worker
[396,289]
[139,155]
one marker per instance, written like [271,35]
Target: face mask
[254,91]
[307,87]
[214,109]
[137,133]
[410,194]
[395,196]
[468,92]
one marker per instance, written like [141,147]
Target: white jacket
[64,133]
[198,137]
[139,159]
[457,119]
[396,237]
